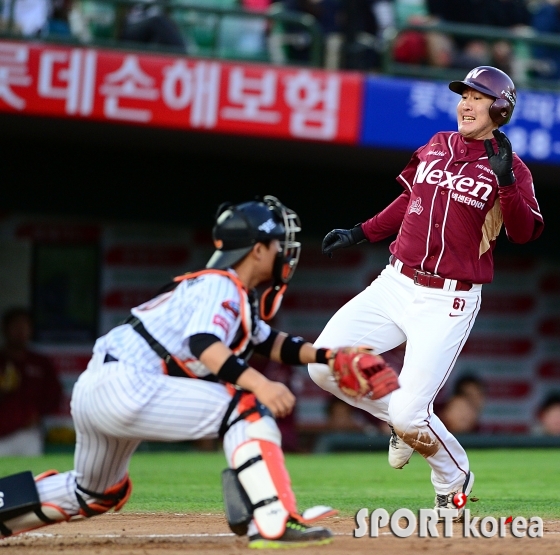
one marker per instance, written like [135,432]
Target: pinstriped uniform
[116,405]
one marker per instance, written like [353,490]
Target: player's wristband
[231,369]
[358,235]
[291,347]
[323,356]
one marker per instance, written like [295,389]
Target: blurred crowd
[354,34]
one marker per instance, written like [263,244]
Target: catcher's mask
[239,227]
[493,82]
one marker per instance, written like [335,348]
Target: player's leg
[370,318]
[430,356]
[115,407]
[257,487]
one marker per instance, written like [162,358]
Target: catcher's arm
[358,371]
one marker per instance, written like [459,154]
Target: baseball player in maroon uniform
[459,190]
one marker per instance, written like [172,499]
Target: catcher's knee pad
[98,503]
[20,507]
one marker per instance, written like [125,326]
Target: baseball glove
[359,372]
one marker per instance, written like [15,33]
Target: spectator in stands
[36,18]
[148,23]
[546,19]
[548,416]
[29,388]
[466,53]
[461,413]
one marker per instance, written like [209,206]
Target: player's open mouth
[468,118]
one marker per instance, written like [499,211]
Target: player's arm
[222,362]
[522,218]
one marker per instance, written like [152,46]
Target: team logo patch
[221,321]
[416,206]
[267,226]
[231,307]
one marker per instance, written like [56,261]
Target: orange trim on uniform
[45,474]
[248,401]
[242,306]
[274,459]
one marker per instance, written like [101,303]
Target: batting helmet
[493,82]
[239,227]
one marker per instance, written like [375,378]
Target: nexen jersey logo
[461,183]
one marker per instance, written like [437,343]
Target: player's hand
[276,397]
[340,238]
[502,161]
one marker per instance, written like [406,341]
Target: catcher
[177,370]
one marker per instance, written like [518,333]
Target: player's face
[473,116]
[270,255]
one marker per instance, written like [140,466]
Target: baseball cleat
[450,501]
[399,451]
[295,535]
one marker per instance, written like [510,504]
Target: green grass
[524,482]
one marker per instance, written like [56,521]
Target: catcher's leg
[257,488]
[50,498]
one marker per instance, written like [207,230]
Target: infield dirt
[208,534]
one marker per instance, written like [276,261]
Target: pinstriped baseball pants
[115,406]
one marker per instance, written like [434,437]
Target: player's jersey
[451,211]
[211,303]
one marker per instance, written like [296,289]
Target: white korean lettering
[129,81]
[13,73]
[253,95]
[68,76]
[197,86]
[315,104]
[422,97]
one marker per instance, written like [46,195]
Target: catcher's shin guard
[259,465]
[112,498]
[20,507]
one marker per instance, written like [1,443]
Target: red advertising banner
[180,92]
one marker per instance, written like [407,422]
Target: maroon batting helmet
[493,82]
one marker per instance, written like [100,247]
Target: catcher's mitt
[359,372]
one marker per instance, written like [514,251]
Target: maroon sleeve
[522,217]
[388,221]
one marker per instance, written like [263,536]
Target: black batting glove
[502,162]
[340,238]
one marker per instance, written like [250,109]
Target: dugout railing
[211,29]
[535,59]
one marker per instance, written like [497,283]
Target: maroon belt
[425,279]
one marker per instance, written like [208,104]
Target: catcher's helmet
[239,227]
[493,82]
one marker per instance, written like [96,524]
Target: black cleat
[295,535]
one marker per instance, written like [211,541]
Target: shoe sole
[275,544]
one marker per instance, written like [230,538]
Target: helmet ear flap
[500,111]
[271,300]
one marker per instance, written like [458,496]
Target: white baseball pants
[435,325]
